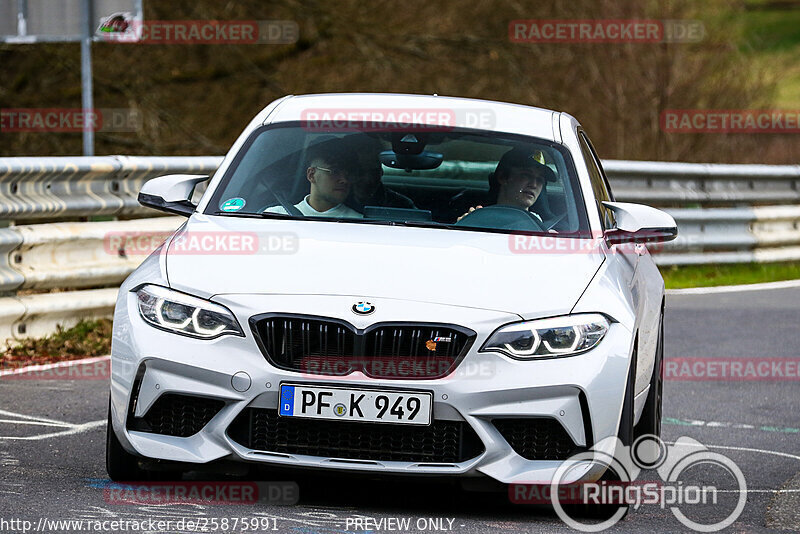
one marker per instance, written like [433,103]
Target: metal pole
[86,79]
[22,17]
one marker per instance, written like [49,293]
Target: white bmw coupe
[391,284]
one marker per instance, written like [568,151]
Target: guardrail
[77,256]
[660,183]
[69,256]
[733,235]
[36,189]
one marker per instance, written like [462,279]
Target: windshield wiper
[261,215]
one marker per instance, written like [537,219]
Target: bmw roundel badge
[363,308]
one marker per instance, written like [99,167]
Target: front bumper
[582,393]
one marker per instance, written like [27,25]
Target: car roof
[426,109]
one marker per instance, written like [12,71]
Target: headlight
[185,314]
[547,338]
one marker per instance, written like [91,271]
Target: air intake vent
[177,415]
[537,438]
[441,442]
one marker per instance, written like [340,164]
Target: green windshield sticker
[232,204]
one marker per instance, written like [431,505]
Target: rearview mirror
[411,162]
[637,223]
[171,193]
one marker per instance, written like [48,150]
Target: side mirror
[171,193]
[637,223]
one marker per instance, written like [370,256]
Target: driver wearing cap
[518,180]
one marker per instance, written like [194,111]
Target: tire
[625,431]
[650,421]
[598,512]
[121,466]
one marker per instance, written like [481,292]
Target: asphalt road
[52,441]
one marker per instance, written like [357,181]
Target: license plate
[365,405]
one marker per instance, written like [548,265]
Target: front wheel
[650,421]
[121,466]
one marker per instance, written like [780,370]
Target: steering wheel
[502,217]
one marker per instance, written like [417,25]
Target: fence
[727,221]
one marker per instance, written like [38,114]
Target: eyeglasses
[339,173]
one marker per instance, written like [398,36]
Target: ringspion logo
[704,490]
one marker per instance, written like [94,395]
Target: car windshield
[456,179]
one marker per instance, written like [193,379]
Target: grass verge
[84,340]
[768,31]
[676,277]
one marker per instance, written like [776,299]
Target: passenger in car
[330,171]
[368,189]
[517,181]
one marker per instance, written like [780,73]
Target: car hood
[526,275]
